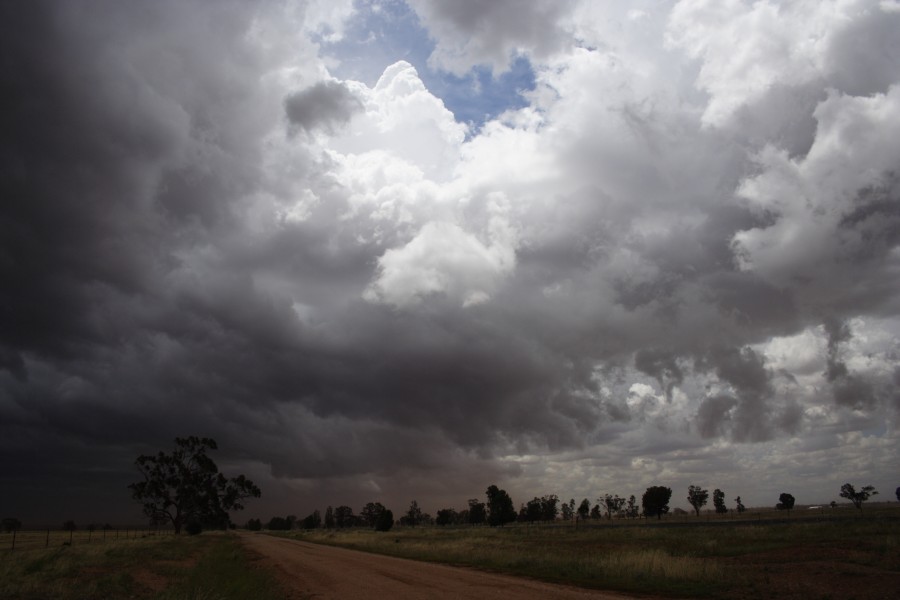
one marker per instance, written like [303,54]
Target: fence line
[32,539]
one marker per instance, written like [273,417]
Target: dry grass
[695,558]
[212,566]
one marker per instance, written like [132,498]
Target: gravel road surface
[322,572]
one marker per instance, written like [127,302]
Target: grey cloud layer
[178,262]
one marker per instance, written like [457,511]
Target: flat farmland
[801,557]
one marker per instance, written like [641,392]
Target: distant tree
[477,512]
[278,524]
[655,501]
[69,526]
[833,504]
[697,497]
[312,520]
[446,516]
[897,491]
[329,518]
[740,505]
[612,504]
[413,516]
[384,521]
[549,508]
[785,502]
[719,501]
[584,509]
[344,517]
[186,486]
[254,525]
[11,524]
[631,509]
[533,511]
[596,512]
[857,498]
[566,510]
[499,506]
[371,512]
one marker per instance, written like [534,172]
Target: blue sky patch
[382,33]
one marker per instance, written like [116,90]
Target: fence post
[71,532]
[14,540]
[47,542]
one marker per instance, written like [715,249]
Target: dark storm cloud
[326,104]
[662,366]
[176,262]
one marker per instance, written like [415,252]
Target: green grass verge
[212,566]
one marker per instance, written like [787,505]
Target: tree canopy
[500,507]
[186,486]
[719,501]
[785,502]
[655,501]
[857,498]
[697,496]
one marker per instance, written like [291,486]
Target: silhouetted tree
[655,501]
[697,496]
[344,517]
[69,526]
[740,505]
[584,509]
[446,516]
[631,509]
[278,524]
[254,525]
[312,520]
[719,501]
[613,504]
[477,512]
[533,511]
[500,507]
[329,518]
[857,498]
[567,510]
[785,502]
[371,512]
[549,509]
[384,521]
[413,516]
[897,491]
[596,512]
[186,486]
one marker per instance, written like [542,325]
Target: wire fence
[33,539]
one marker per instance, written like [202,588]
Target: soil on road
[321,572]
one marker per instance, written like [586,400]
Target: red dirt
[315,571]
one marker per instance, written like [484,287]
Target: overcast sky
[385,250]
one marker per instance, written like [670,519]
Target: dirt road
[315,571]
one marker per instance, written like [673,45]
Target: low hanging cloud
[327,104]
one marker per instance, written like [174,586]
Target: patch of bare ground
[314,571]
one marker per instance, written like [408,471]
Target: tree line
[185,489]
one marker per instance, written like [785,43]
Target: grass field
[800,557]
[212,566]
